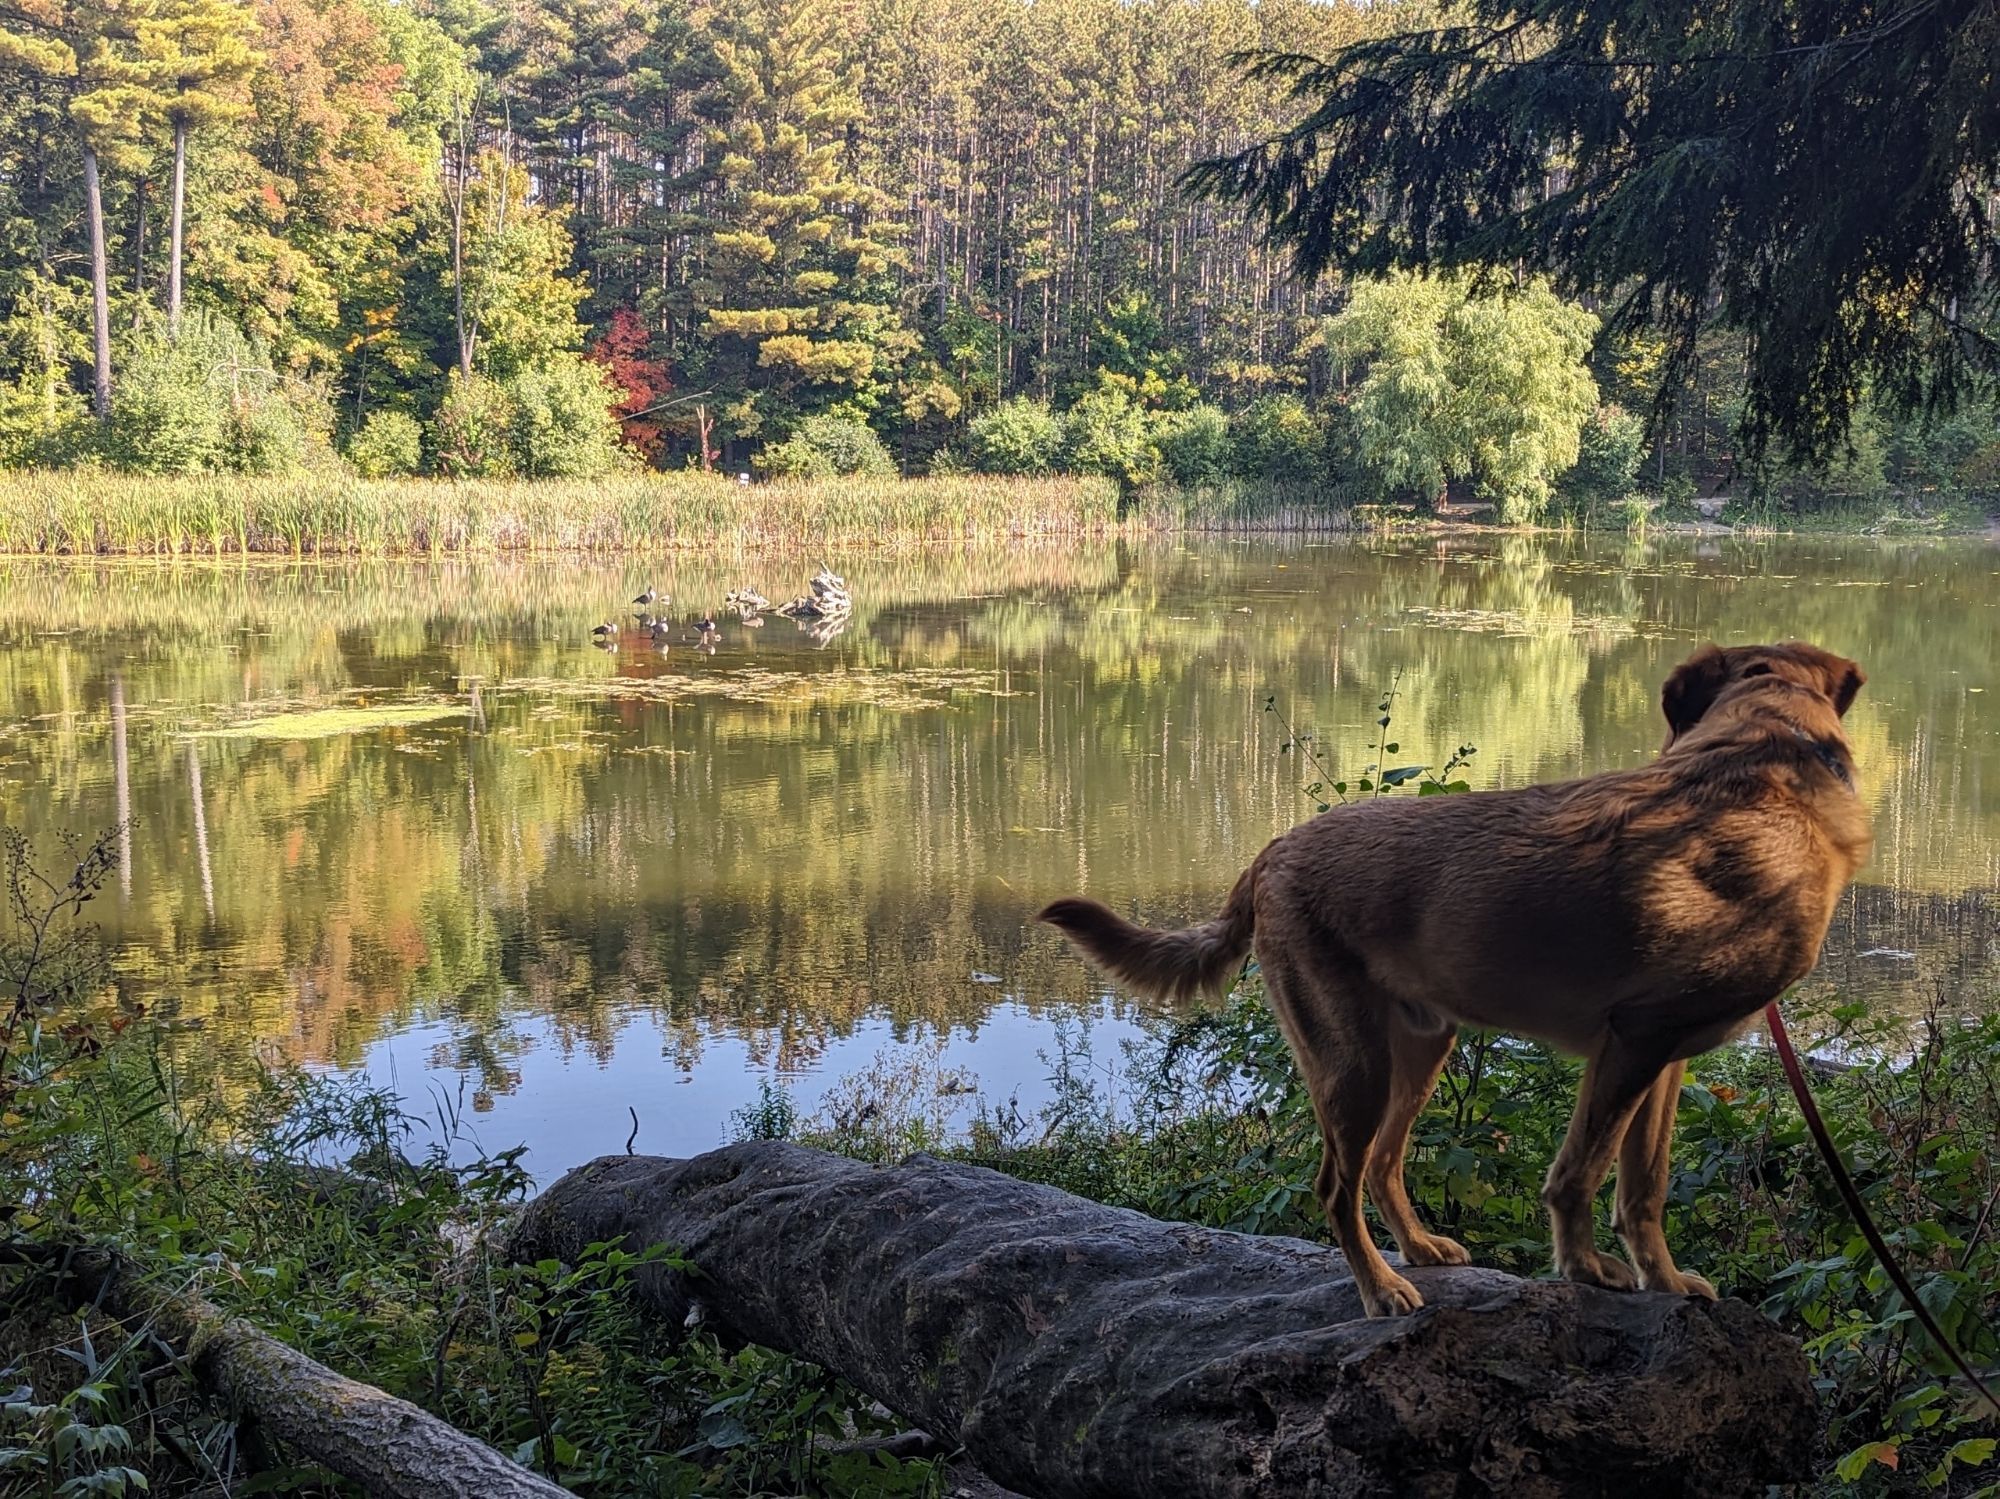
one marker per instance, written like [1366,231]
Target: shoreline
[100,516]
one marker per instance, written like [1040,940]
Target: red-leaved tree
[622,349]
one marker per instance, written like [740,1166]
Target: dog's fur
[1636,917]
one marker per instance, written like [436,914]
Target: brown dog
[1636,918]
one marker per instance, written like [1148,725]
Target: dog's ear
[1842,678]
[1691,690]
[1846,679]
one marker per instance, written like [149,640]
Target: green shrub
[563,421]
[1195,446]
[1608,452]
[1107,432]
[389,445]
[209,400]
[828,446]
[472,429]
[43,423]
[1277,439]
[1019,436]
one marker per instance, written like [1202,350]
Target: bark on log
[388,1446]
[1075,1349]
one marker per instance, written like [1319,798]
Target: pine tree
[197,54]
[114,95]
[796,289]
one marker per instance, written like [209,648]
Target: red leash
[1795,1075]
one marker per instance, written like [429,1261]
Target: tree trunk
[100,291]
[387,1446]
[174,229]
[1074,1349]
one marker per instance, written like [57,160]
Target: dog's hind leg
[1616,1082]
[1643,1163]
[1417,1055]
[1346,1064]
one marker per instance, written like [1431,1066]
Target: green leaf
[1857,1462]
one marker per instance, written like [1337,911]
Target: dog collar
[1827,757]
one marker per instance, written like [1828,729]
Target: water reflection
[407,814]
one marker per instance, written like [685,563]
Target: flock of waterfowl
[822,612]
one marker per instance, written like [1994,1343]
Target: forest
[475,238]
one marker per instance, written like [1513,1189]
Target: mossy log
[1074,1349]
[388,1446]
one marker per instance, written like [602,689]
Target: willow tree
[1459,382]
[1821,177]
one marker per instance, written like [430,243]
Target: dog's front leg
[1616,1082]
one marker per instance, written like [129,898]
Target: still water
[403,817]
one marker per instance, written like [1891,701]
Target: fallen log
[1074,1349]
[388,1446]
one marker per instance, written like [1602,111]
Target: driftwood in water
[387,1446]
[1074,1349]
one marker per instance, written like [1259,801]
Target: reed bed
[73,513]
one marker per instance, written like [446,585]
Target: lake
[403,817]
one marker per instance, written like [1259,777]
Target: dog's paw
[1436,1249]
[1394,1297]
[1687,1283]
[1594,1268]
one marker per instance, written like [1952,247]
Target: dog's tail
[1162,965]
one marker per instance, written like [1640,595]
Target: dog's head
[1713,672]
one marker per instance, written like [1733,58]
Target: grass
[84,513]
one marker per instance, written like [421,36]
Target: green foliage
[389,445]
[472,434]
[563,423]
[1609,448]
[827,446]
[43,423]
[211,401]
[1196,446]
[1106,432]
[1018,436]
[1132,353]
[1467,382]
[1278,441]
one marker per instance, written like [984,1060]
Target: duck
[605,631]
[705,626]
[659,633]
[650,596]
